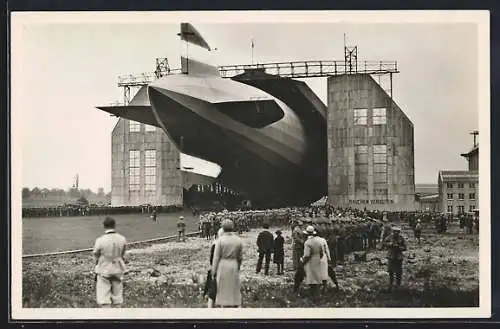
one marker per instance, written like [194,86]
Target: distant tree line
[58,192]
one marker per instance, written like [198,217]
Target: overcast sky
[69,69]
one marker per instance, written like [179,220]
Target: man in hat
[395,245]
[265,243]
[181,229]
[109,250]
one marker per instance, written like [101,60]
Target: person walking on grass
[228,256]
[109,250]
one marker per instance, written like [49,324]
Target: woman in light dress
[228,254]
[313,252]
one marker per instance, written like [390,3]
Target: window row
[460,185]
[150,182]
[379,154]
[135,158]
[461,209]
[472,196]
[379,116]
[149,170]
[135,127]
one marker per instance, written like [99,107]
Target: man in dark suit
[265,244]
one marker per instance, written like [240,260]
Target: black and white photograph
[201,165]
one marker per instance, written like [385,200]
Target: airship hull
[262,163]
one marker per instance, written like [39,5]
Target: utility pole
[475,133]
[253,46]
[180,167]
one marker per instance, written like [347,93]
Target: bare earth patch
[441,271]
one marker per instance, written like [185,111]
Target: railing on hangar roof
[297,69]
[312,69]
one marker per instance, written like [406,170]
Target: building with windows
[458,191]
[144,166]
[370,146]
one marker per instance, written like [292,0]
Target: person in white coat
[228,254]
[313,252]
[109,250]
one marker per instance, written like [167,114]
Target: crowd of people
[70,210]
[321,238]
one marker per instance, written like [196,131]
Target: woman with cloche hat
[313,252]
[228,254]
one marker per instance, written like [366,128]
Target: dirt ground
[440,271]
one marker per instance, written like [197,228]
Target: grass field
[67,233]
[172,275]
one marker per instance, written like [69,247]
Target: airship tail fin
[197,54]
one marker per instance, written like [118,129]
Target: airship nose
[171,115]
[179,116]
[184,118]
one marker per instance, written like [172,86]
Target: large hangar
[276,142]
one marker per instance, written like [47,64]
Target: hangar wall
[144,166]
[370,146]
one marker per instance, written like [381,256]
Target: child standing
[279,252]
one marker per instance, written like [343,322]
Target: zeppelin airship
[267,133]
